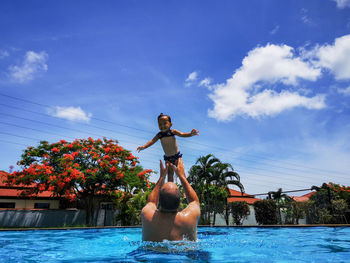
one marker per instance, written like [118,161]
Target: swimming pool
[220,244]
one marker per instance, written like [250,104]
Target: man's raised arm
[190,193]
[154,195]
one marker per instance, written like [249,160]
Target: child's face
[164,124]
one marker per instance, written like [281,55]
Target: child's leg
[170,174]
[176,163]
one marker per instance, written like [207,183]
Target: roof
[3,176]
[303,198]
[238,197]
[16,191]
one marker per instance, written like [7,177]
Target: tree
[328,203]
[278,197]
[200,179]
[239,210]
[129,206]
[266,212]
[82,169]
[210,179]
[293,210]
[224,175]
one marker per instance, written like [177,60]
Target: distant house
[14,197]
[236,196]
[303,198]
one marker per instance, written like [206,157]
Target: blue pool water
[317,244]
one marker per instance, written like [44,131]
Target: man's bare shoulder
[191,213]
[148,210]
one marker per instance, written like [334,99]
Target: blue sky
[267,83]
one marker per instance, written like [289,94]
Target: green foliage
[294,211]
[82,169]
[211,178]
[328,204]
[266,212]
[239,211]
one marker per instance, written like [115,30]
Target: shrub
[266,212]
[239,211]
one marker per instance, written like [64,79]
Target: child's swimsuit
[174,157]
[165,134]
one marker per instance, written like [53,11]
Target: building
[14,197]
[237,196]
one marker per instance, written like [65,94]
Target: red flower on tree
[80,169]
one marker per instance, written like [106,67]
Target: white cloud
[192,77]
[242,95]
[305,18]
[70,113]
[342,3]
[274,31]
[205,82]
[33,64]
[3,54]
[335,57]
[345,92]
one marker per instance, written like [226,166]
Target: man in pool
[166,222]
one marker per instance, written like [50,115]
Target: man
[166,222]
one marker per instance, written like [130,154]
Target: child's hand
[194,132]
[140,148]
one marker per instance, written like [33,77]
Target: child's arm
[186,134]
[151,142]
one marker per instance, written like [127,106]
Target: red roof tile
[238,197]
[16,190]
[17,193]
[303,198]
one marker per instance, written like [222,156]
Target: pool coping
[107,227]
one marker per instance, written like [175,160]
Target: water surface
[223,244]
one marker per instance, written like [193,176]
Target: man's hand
[163,170]
[180,169]
[194,132]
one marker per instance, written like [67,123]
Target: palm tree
[209,170]
[200,178]
[224,175]
[278,196]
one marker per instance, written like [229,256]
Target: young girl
[168,140]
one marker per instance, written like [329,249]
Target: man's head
[169,197]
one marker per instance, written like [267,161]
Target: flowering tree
[81,169]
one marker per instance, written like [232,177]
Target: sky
[266,82]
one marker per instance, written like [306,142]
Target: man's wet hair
[169,201]
[162,115]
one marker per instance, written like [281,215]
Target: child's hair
[162,115]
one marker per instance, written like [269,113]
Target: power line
[239,158]
[198,143]
[133,143]
[291,191]
[94,118]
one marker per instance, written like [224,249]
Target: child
[169,144]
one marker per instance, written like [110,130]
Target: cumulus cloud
[70,113]
[205,82]
[242,94]
[33,64]
[342,3]
[345,92]
[192,77]
[335,58]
